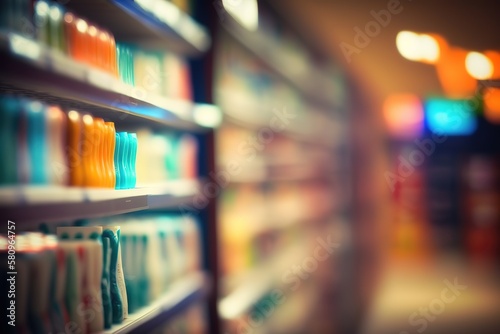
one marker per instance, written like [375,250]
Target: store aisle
[444,297]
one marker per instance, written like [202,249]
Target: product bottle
[41,16]
[99,142]
[88,151]
[120,278]
[111,153]
[74,149]
[125,154]
[9,133]
[116,299]
[36,116]
[57,163]
[117,161]
[105,285]
[132,159]
[56,27]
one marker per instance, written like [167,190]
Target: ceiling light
[429,48]
[407,43]
[418,47]
[478,66]
[246,12]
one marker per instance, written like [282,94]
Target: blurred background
[244,166]
[414,92]
[415,100]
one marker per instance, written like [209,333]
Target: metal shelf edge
[182,293]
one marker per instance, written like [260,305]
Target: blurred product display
[249,166]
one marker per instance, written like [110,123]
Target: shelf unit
[31,69]
[136,21]
[35,70]
[248,288]
[180,295]
[316,137]
[31,205]
[308,80]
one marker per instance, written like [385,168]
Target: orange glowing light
[403,115]
[492,104]
[494,57]
[453,75]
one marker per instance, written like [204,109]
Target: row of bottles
[67,34]
[166,156]
[44,145]
[84,279]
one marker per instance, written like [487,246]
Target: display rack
[320,128]
[251,120]
[29,65]
[134,21]
[30,69]
[30,205]
[308,80]
[248,288]
[180,295]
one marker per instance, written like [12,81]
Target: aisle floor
[443,297]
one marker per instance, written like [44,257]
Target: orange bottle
[99,152]
[74,149]
[91,46]
[75,30]
[111,153]
[103,57]
[112,51]
[104,156]
[88,152]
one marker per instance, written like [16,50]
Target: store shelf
[34,70]
[249,121]
[296,314]
[279,221]
[251,286]
[128,21]
[172,194]
[265,171]
[181,295]
[241,112]
[243,121]
[30,205]
[273,56]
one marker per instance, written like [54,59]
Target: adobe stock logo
[436,306]
[363,38]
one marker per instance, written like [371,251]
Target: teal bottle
[130,66]
[116,298]
[117,157]
[124,160]
[132,159]
[125,60]
[10,119]
[36,117]
[143,277]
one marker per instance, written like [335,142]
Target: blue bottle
[37,145]
[125,153]
[132,159]
[10,122]
[117,157]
